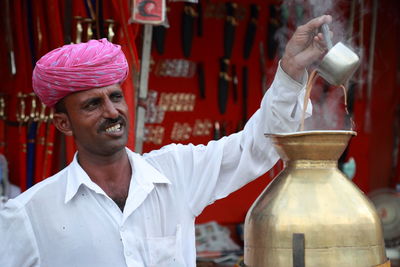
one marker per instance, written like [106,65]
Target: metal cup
[338,65]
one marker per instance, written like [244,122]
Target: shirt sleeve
[17,243]
[211,172]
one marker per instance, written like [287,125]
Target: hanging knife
[199,19]
[188,17]
[9,38]
[234,84]
[201,80]
[223,84]
[229,28]
[31,31]
[159,36]
[250,31]
[159,33]
[273,26]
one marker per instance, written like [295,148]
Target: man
[112,207]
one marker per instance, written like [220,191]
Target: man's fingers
[320,38]
[321,46]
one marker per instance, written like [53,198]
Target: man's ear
[62,123]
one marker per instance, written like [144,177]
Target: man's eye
[91,105]
[116,97]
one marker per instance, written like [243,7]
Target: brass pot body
[312,197]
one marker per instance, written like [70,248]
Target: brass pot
[311,214]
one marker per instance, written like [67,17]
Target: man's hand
[305,47]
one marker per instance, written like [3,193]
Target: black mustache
[108,122]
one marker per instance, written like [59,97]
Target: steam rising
[328,110]
[321,7]
[329,114]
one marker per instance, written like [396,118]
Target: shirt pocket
[166,251]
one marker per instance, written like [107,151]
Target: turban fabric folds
[78,67]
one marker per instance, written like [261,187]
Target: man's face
[98,119]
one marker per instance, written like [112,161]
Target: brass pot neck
[312,145]
[311,164]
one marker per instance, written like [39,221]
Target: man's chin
[111,151]
[113,147]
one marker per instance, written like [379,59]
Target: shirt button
[128,253]
[122,229]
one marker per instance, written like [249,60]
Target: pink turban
[78,67]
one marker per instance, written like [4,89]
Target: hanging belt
[40,145]
[21,118]
[49,149]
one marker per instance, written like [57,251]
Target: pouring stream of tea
[311,80]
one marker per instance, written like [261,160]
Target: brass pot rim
[312,132]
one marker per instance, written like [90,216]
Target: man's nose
[110,110]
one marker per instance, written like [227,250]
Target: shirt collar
[143,173]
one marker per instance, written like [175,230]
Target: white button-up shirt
[68,220]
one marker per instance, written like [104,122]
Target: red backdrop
[371,150]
